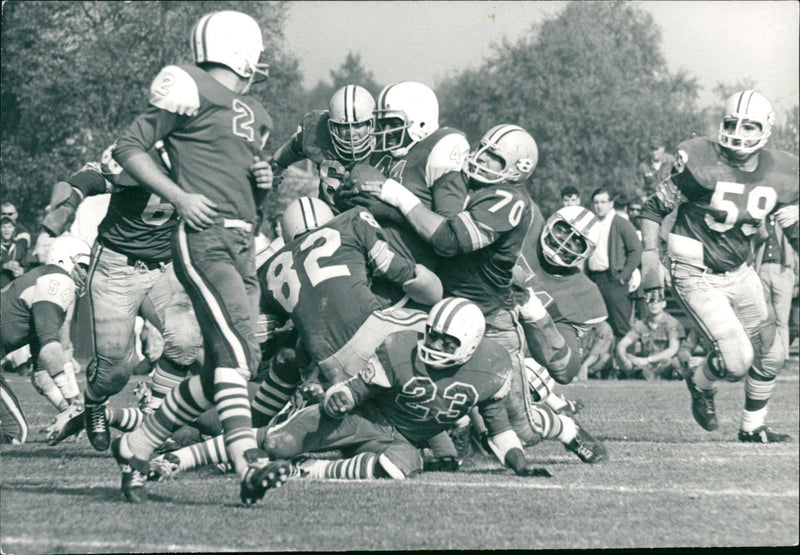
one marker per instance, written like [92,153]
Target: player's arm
[67,195]
[343,397]
[546,344]
[174,97]
[787,217]
[503,441]
[289,152]
[623,346]
[670,351]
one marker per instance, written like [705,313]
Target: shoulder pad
[174,90]
[447,155]
[55,287]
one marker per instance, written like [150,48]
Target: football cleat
[588,449]
[96,424]
[703,406]
[164,467]
[299,467]
[571,408]
[262,474]
[441,464]
[134,474]
[144,398]
[67,423]
[763,434]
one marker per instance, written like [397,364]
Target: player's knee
[181,354]
[564,374]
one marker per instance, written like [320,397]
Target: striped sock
[125,420]
[207,452]
[270,398]
[757,391]
[183,404]
[360,467]
[166,376]
[233,406]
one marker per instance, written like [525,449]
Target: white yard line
[87,546]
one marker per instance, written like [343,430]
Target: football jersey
[210,133]
[34,306]
[655,340]
[441,152]
[138,223]
[421,402]
[322,280]
[567,293]
[719,205]
[482,244]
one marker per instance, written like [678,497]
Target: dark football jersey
[34,306]
[322,280]
[420,401]
[485,238]
[719,205]
[138,223]
[567,293]
[211,135]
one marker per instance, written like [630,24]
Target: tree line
[590,83]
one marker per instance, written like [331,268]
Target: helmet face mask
[351,124]
[507,154]
[406,113]
[569,236]
[746,124]
[454,330]
[73,255]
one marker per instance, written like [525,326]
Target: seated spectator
[656,341]
[570,196]
[597,345]
[21,235]
[13,251]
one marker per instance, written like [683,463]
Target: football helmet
[350,123]
[406,113]
[68,251]
[569,236]
[460,324]
[304,214]
[507,154]
[232,39]
[747,123]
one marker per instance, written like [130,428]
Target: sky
[426,41]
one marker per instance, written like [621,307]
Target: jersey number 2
[420,391]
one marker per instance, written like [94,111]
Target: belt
[150,265]
[772,261]
[238,224]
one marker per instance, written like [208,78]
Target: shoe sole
[274,475]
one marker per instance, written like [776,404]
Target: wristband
[398,196]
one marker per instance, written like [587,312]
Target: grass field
[667,483]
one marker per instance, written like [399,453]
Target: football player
[34,307]
[482,242]
[131,266]
[413,150]
[212,132]
[333,139]
[723,189]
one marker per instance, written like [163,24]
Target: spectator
[13,251]
[8,210]
[656,340]
[635,214]
[570,196]
[597,343]
[654,170]
[776,264]
[617,254]
[620,201]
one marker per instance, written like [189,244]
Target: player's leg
[13,425]
[705,299]
[758,318]
[116,291]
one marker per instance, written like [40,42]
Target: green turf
[667,483]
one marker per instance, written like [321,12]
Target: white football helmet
[459,319]
[350,123]
[510,145]
[304,214]
[747,123]
[232,39]
[68,251]
[407,113]
[569,236]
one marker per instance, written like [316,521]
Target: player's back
[48,283]
[725,204]
[322,279]
[421,401]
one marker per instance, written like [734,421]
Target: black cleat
[588,449]
[763,434]
[262,474]
[96,423]
[703,406]
[134,474]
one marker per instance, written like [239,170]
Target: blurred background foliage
[590,83]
